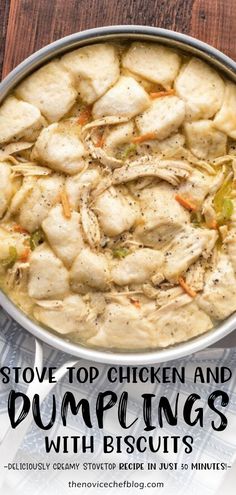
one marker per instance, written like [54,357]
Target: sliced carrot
[136,303]
[144,137]
[65,204]
[186,287]
[185,203]
[100,141]
[25,255]
[159,94]
[20,229]
[57,199]
[85,115]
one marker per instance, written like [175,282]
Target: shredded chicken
[100,154]
[13,148]
[29,169]
[75,186]
[89,223]
[185,249]
[172,171]
[18,276]
[195,276]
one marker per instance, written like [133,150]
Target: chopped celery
[227,208]
[223,192]
[127,152]
[197,219]
[223,204]
[120,252]
[226,211]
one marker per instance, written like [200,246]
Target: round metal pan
[176,40]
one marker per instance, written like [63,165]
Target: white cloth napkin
[17,349]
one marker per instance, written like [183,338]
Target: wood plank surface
[27,25]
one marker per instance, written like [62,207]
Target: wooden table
[27,25]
